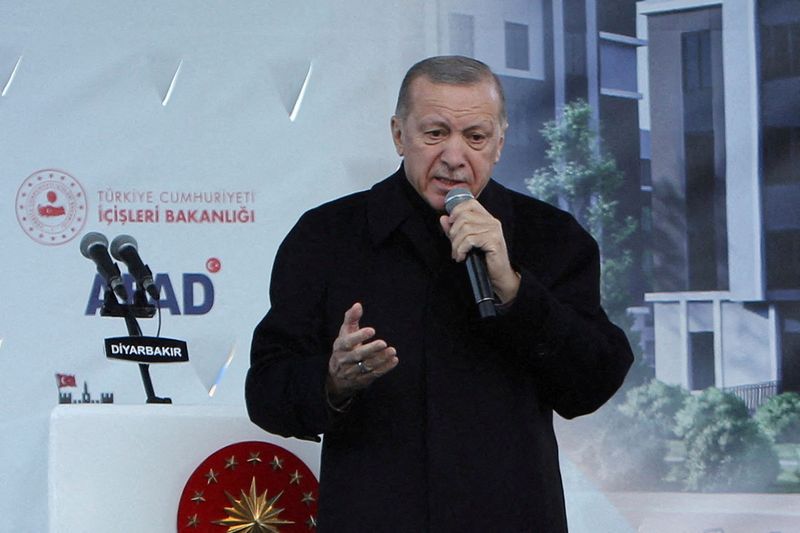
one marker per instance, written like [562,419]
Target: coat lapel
[389,209]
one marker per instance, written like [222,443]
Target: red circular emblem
[213,265]
[51,207]
[249,486]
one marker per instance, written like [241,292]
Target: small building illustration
[85,397]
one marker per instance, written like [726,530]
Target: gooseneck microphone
[124,248]
[94,246]
[476,261]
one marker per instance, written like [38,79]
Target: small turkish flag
[65,380]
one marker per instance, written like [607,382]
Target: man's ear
[397,134]
[500,144]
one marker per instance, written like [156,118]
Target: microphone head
[120,242]
[90,240]
[455,197]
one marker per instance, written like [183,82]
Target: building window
[783,259]
[696,49]
[701,344]
[781,148]
[789,379]
[462,34]
[517,48]
[704,209]
[704,167]
[575,54]
[780,50]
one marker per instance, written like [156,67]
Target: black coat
[459,436]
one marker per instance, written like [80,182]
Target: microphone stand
[140,308]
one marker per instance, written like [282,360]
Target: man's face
[451,138]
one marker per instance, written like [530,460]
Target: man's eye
[435,134]
[477,137]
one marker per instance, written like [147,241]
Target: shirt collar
[392,204]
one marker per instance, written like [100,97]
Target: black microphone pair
[123,248]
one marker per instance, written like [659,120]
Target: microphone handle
[479,280]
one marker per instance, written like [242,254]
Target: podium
[122,468]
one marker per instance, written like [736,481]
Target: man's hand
[357,360]
[471,226]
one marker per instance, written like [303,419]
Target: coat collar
[390,207]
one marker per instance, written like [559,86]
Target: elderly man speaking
[434,418]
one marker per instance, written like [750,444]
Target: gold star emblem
[255,457]
[211,477]
[253,513]
[296,477]
[193,522]
[308,498]
[276,463]
[311,522]
[231,462]
[198,496]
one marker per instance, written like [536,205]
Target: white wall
[86,99]
[748,360]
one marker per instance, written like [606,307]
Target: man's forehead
[422,83]
[471,120]
[476,95]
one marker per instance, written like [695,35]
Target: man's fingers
[349,341]
[351,319]
[351,376]
[372,367]
[356,361]
[383,364]
[444,220]
[473,227]
[359,353]
[464,242]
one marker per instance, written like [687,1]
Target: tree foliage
[624,454]
[725,449]
[779,417]
[582,180]
[655,403]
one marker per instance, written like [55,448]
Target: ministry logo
[51,207]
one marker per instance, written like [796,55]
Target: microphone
[124,248]
[476,261]
[94,246]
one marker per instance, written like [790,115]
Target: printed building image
[548,53]
[721,118]
[697,102]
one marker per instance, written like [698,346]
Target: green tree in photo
[779,417]
[624,453]
[725,449]
[582,180]
[655,403]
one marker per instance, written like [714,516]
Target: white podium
[123,468]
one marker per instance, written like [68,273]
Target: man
[435,419]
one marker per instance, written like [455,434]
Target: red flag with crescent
[66,380]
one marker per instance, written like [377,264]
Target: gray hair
[450,70]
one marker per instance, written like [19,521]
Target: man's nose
[454,152]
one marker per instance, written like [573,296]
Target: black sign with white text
[147,349]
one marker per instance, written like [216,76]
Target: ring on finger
[364,369]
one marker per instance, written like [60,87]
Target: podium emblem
[253,487]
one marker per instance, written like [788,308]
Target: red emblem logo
[213,265]
[249,486]
[51,207]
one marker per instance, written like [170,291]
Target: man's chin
[436,201]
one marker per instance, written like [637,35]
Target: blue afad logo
[197,293]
